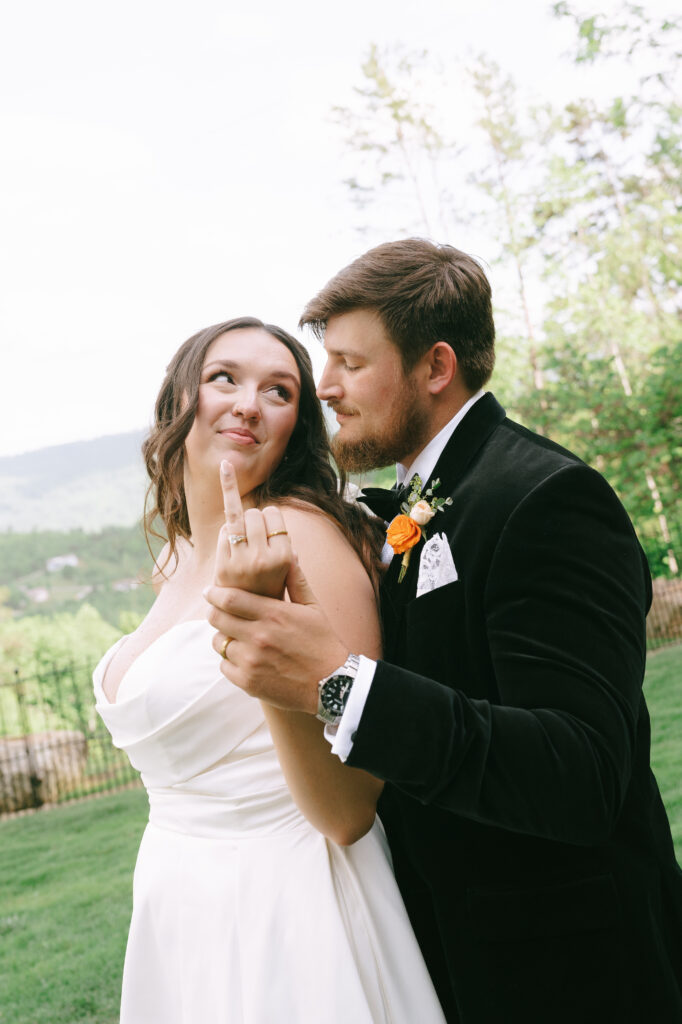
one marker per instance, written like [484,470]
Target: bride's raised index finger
[232,503]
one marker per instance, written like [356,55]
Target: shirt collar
[425,463]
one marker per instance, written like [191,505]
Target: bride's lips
[244,437]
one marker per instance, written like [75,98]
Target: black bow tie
[384,502]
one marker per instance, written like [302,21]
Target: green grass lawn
[65,901]
[663,691]
[65,882]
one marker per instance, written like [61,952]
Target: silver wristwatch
[333,691]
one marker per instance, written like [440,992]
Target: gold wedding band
[237,538]
[276,533]
[223,649]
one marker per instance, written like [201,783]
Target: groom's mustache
[342,410]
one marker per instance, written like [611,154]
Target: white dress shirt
[341,736]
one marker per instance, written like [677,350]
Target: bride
[263,891]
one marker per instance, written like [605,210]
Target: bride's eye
[281,391]
[222,376]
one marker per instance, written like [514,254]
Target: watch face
[335,692]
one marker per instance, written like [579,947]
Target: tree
[610,218]
[587,214]
[400,160]
[508,178]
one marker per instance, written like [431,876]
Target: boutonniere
[406,530]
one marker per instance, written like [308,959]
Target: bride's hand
[254,550]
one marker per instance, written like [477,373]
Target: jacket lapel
[468,438]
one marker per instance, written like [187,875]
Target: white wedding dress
[242,911]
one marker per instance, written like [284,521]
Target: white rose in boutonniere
[402,535]
[422,513]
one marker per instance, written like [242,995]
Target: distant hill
[86,484]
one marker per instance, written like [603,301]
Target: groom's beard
[406,431]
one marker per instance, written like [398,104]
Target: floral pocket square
[436,565]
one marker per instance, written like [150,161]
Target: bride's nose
[246,404]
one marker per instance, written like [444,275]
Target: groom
[528,834]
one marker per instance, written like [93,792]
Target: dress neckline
[120,642]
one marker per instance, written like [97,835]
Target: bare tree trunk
[662,522]
[622,372]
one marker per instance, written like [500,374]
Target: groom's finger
[229,658]
[225,646]
[229,626]
[231,604]
[232,503]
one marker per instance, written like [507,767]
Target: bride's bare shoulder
[304,519]
[335,573]
[318,539]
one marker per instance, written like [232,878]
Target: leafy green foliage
[115,552]
[613,330]
[112,573]
[36,644]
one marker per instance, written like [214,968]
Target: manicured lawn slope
[663,691]
[65,899]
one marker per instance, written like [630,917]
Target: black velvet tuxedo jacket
[528,834]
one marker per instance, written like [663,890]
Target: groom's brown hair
[423,293]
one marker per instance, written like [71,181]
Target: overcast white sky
[167,165]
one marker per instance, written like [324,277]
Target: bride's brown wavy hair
[305,475]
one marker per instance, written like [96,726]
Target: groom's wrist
[342,736]
[334,690]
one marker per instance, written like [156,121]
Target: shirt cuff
[341,736]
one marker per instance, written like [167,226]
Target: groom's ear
[442,366]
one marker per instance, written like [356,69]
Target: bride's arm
[338,800]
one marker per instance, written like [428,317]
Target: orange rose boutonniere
[402,534]
[405,531]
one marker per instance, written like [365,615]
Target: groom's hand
[279,649]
